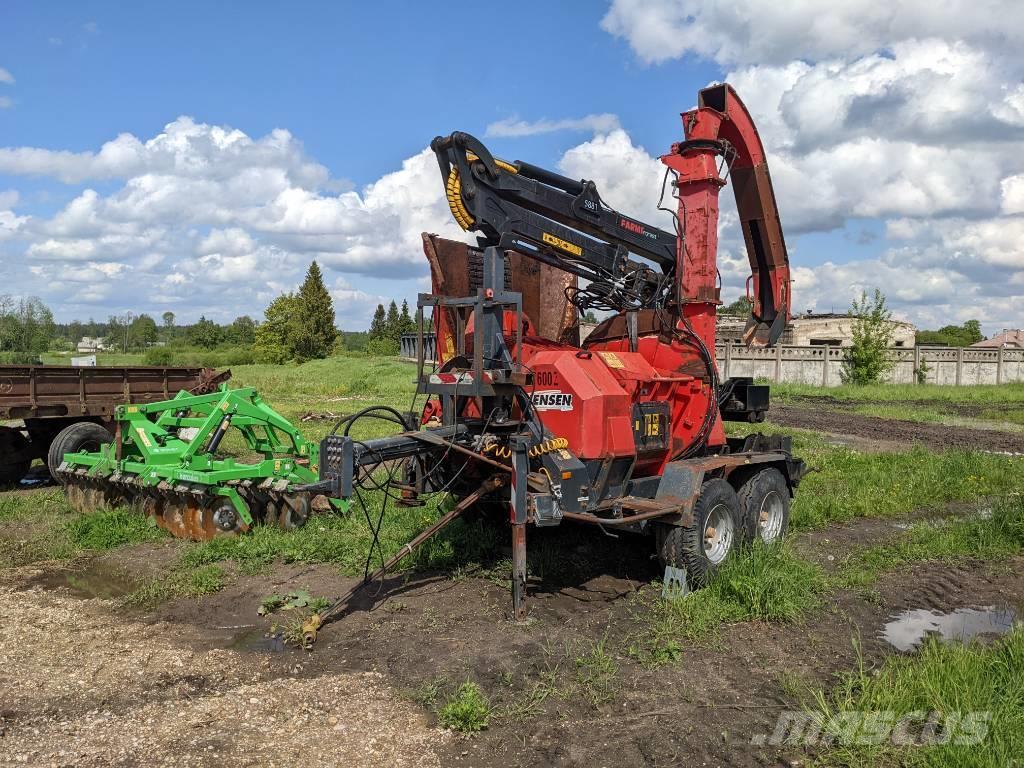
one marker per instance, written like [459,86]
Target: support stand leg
[519,571]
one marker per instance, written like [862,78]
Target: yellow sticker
[565,245]
[133,409]
[277,465]
[611,360]
[144,437]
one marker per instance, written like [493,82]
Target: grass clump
[993,537]
[597,673]
[111,528]
[346,540]
[179,583]
[762,583]
[960,705]
[467,710]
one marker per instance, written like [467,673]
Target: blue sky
[173,215]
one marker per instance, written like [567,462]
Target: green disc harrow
[165,460]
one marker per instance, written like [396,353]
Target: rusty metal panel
[542,286]
[51,390]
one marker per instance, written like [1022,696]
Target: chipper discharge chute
[164,460]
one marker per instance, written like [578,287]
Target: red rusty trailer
[49,398]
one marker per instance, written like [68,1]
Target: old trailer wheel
[764,500]
[80,436]
[701,548]
[11,469]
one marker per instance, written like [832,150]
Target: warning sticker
[611,360]
[552,400]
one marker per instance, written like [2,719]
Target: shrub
[867,359]
[382,347]
[159,356]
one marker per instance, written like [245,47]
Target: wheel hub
[770,518]
[718,534]
[225,518]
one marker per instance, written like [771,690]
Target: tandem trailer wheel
[703,547]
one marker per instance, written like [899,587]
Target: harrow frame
[165,454]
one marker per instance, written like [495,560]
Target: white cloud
[208,219]
[627,177]
[513,127]
[1013,194]
[767,32]
[6,76]
[6,102]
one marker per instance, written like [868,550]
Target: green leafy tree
[26,328]
[242,330]
[168,318]
[142,332]
[378,326]
[273,336]
[315,333]
[75,331]
[953,335]
[205,333]
[739,308]
[867,358]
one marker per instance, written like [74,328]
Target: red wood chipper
[625,430]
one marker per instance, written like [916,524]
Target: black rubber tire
[12,440]
[80,436]
[768,483]
[682,546]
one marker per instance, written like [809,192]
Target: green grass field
[761,584]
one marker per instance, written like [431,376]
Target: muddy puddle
[256,640]
[907,630]
[90,579]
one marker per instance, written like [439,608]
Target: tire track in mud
[935,436]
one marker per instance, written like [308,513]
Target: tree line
[297,326]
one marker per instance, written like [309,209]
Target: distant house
[90,344]
[816,330]
[1011,339]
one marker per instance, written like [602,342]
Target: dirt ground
[196,682]
[830,419]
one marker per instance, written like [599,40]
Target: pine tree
[377,324]
[393,323]
[315,334]
[408,325]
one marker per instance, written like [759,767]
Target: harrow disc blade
[75,495]
[292,511]
[174,518]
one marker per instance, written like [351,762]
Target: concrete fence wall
[823,366]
